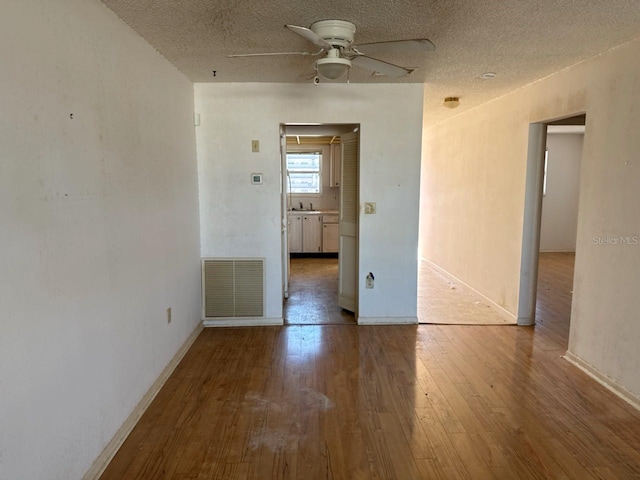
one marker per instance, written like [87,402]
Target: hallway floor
[444,301]
[313,295]
[555,291]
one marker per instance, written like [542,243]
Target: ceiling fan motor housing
[338,33]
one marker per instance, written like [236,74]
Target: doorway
[319,254]
[550,223]
[559,226]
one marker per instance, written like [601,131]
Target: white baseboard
[604,380]
[101,463]
[242,322]
[387,320]
[500,309]
[558,251]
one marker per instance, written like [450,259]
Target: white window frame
[307,149]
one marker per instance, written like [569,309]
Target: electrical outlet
[369,281]
[255,146]
[168,315]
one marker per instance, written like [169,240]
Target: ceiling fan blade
[270,54]
[396,46]
[378,66]
[310,35]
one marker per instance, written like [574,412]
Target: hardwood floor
[313,293]
[555,290]
[384,402]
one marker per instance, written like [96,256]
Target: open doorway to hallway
[550,225]
[559,224]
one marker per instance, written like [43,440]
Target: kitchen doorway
[319,254]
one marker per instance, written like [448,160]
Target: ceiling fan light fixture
[451,102]
[333,68]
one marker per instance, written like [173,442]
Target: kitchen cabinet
[330,237]
[312,233]
[336,153]
[305,233]
[295,233]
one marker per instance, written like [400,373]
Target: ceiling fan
[337,54]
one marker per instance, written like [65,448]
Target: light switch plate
[255,146]
[369,208]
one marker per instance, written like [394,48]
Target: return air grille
[233,287]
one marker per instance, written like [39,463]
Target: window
[304,169]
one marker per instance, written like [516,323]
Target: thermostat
[256,178]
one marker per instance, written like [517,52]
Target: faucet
[301,207]
[310,206]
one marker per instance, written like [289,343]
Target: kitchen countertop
[313,212]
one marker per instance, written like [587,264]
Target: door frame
[284,217]
[532,218]
[285,203]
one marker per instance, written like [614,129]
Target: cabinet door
[311,233]
[335,165]
[295,233]
[330,237]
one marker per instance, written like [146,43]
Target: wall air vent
[232,288]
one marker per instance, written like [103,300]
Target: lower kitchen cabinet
[330,237]
[295,233]
[305,233]
[312,233]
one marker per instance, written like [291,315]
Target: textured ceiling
[521,41]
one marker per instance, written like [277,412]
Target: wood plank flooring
[383,402]
[555,291]
[313,293]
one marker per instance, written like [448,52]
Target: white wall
[240,219]
[98,230]
[473,195]
[560,204]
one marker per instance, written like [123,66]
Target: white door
[285,208]
[349,211]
